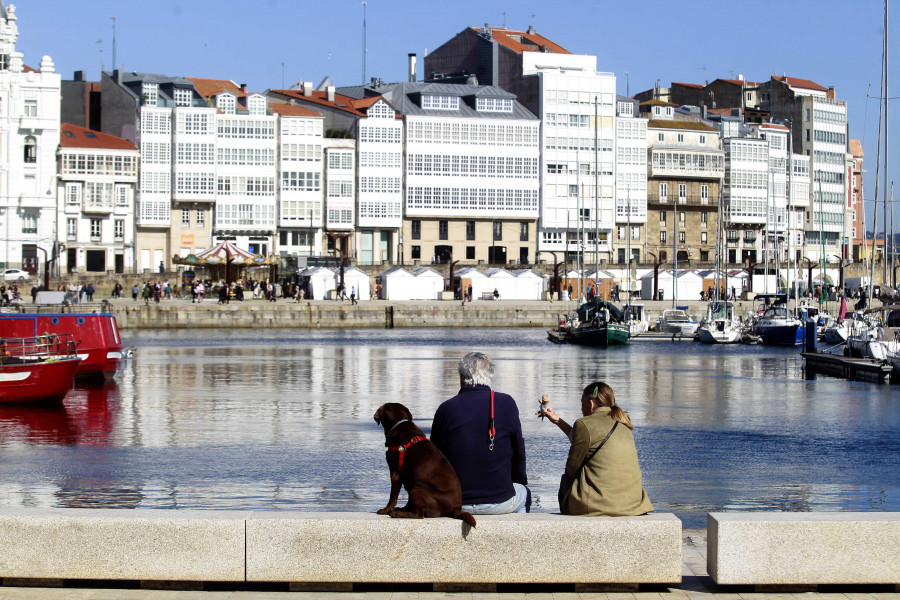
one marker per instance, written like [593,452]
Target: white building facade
[29,138]
[95,191]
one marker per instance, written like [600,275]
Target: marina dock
[858,369]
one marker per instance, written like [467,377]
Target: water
[278,420]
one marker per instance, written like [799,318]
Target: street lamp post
[556,264]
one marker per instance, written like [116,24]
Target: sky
[274,43]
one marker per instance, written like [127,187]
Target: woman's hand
[550,414]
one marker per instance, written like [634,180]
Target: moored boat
[720,326]
[776,325]
[595,323]
[37,369]
[678,323]
[96,336]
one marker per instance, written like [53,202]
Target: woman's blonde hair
[604,396]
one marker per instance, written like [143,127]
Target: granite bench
[777,549]
[336,550]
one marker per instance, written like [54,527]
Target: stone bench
[778,549]
[535,548]
[336,550]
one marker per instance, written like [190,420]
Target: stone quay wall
[319,314]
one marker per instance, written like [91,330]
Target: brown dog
[430,481]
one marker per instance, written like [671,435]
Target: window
[807,115]
[680,237]
[227,103]
[29,222]
[620,234]
[186,217]
[523,231]
[663,192]
[200,215]
[635,233]
[434,102]
[416,230]
[662,237]
[584,214]
[30,150]
[470,230]
[470,252]
[71,229]
[119,230]
[660,137]
[416,252]
[182,97]
[30,108]
[498,230]
[150,93]
[681,217]
[96,229]
[682,193]
[443,230]
[680,137]
[702,139]
[662,216]
[704,218]
[704,194]
[702,237]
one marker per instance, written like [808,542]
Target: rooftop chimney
[244,88]
[329,91]
[412,67]
[307,88]
[531,29]
[78,76]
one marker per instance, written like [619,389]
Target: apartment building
[472,179]
[364,172]
[684,179]
[300,158]
[95,191]
[581,186]
[30,125]
[855,232]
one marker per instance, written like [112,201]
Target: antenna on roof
[114,42]
[100,45]
[365,49]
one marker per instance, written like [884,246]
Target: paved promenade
[696,585]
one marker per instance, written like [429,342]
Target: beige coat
[610,484]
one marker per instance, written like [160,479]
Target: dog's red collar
[402,449]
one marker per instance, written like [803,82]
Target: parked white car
[16,275]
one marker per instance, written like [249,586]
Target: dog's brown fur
[428,477]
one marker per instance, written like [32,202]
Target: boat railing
[42,347]
[104,306]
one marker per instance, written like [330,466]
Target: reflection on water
[283,420]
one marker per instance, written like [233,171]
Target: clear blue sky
[832,42]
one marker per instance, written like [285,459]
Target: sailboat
[720,325]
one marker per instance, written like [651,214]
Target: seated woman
[602,475]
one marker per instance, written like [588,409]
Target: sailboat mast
[885,97]
[596,196]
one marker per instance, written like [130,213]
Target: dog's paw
[386,511]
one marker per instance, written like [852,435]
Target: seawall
[255,314]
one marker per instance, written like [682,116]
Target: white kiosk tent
[529,284]
[319,281]
[396,284]
[478,280]
[504,282]
[353,277]
[428,284]
[689,284]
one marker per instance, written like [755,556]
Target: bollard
[811,335]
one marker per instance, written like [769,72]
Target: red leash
[492,431]
[402,449]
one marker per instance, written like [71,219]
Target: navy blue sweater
[460,430]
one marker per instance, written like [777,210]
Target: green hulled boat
[595,323]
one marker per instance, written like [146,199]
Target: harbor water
[282,420]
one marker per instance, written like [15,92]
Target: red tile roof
[691,125]
[656,102]
[513,40]
[801,83]
[73,136]
[773,126]
[696,86]
[290,110]
[856,148]
[722,111]
[211,87]
[353,106]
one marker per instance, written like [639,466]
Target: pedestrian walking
[353,295]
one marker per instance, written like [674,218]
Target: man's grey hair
[476,368]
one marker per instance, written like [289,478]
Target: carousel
[228,262]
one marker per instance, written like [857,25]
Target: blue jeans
[519,503]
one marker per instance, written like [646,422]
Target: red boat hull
[48,381]
[97,335]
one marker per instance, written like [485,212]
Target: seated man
[491,470]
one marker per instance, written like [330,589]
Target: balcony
[681,163]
